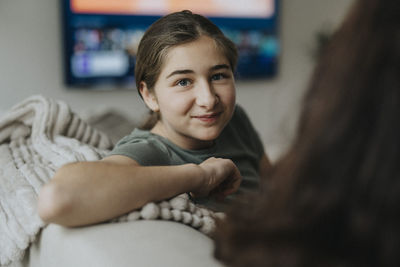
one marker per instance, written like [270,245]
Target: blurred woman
[334,198]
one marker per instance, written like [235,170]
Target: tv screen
[101,36]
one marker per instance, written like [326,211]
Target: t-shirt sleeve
[144,152]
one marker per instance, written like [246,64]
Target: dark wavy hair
[334,198]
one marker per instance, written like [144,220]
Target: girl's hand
[221,178]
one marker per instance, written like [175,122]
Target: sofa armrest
[135,243]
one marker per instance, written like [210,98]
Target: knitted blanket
[39,135]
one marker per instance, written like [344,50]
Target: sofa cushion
[135,243]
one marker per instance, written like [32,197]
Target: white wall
[30,63]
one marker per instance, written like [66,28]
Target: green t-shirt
[238,141]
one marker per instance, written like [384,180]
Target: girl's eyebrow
[180,72]
[220,66]
[213,68]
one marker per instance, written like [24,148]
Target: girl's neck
[183,141]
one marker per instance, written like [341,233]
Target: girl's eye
[184,82]
[218,76]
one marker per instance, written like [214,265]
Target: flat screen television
[101,36]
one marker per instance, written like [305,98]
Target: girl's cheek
[229,96]
[181,101]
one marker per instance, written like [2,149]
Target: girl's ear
[149,97]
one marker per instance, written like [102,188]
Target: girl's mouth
[208,118]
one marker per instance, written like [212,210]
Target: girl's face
[195,94]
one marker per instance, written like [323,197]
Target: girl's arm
[84,193]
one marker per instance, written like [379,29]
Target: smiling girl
[201,142]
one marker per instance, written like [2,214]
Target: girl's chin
[208,137]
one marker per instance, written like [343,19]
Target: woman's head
[334,197]
[172,30]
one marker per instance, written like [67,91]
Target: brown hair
[172,30]
[334,198]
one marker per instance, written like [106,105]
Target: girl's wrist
[197,177]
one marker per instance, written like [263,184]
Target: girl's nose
[206,96]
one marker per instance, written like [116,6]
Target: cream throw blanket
[37,136]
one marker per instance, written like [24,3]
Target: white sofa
[136,243]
